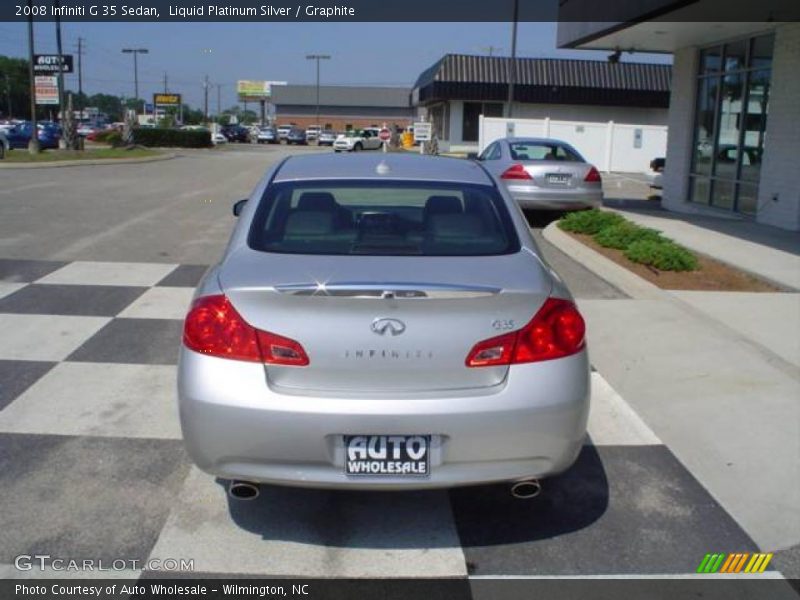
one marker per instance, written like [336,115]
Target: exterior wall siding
[779,192]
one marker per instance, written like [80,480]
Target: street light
[135,52]
[318,57]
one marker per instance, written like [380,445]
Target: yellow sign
[167,99]
[253,89]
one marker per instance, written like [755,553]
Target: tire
[358,147]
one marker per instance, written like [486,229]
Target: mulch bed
[711,276]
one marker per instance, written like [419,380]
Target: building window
[730,123]
[471,115]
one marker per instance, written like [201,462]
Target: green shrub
[622,235]
[180,138]
[663,255]
[589,221]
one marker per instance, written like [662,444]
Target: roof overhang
[667,25]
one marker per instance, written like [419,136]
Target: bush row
[175,138]
[639,244]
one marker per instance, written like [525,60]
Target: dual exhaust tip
[246,490]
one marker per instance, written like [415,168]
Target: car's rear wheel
[357,148]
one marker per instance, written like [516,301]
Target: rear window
[382,218]
[544,151]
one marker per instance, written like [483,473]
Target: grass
[23,156]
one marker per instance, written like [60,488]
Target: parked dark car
[236,133]
[296,135]
[19,135]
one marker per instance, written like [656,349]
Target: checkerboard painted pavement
[92,464]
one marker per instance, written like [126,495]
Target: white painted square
[6,288]
[160,303]
[109,273]
[98,399]
[321,533]
[45,337]
[612,421]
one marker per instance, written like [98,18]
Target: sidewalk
[716,375]
[768,252]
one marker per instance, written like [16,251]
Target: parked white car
[312,132]
[355,141]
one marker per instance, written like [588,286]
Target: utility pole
[512,71]
[205,98]
[33,144]
[219,101]
[165,82]
[80,77]
[62,142]
[8,97]
[136,52]
[318,57]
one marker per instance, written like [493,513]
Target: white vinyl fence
[609,146]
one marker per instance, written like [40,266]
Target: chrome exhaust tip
[525,490]
[243,490]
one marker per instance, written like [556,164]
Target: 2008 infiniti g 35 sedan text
[382,322]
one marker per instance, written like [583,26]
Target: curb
[629,283]
[89,162]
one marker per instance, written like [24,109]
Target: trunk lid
[385,324]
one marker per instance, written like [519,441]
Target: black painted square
[77,300]
[618,510]
[81,497]
[184,276]
[133,341]
[16,376]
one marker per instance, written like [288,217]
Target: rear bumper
[530,197]
[236,427]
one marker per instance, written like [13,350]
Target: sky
[382,54]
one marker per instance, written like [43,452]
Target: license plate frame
[386,456]
[558,178]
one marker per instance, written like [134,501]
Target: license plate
[558,178]
[387,455]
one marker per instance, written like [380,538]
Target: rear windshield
[382,218]
[543,151]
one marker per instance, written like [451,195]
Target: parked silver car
[542,173]
[382,322]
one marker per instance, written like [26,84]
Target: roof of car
[534,140]
[395,166]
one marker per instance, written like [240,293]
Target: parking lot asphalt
[97,267]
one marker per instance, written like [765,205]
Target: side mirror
[472,156]
[238,207]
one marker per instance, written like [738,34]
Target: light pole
[318,57]
[512,70]
[136,52]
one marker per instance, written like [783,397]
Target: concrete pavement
[715,375]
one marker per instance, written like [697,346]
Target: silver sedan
[382,322]
[542,173]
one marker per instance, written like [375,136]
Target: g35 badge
[503,324]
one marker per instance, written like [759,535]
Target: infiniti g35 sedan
[382,322]
[542,173]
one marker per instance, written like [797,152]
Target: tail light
[214,327]
[516,171]
[556,331]
[593,176]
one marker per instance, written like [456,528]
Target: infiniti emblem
[393,326]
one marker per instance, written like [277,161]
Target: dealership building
[734,110]
[342,107]
[458,89]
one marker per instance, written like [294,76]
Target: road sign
[49,63]
[46,89]
[385,134]
[422,132]
[167,99]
